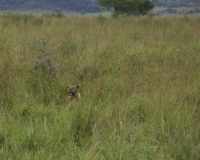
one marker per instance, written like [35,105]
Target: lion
[73,93]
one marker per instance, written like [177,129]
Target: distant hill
[177,7]
[176,3]
[81,6]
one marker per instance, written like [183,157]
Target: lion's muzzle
[70,93]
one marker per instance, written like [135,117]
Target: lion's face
[72,90]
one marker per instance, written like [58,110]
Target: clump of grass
[47,64]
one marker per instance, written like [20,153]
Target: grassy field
[140,87]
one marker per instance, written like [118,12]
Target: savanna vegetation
[140,87]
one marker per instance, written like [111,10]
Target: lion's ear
[67,86]
[77,86]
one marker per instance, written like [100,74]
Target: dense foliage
[127,6]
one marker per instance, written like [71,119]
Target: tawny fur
[73,93]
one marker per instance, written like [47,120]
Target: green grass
[139,79]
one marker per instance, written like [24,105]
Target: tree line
[128,7]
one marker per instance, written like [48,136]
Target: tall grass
[139,79]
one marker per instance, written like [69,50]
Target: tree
[136,7]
